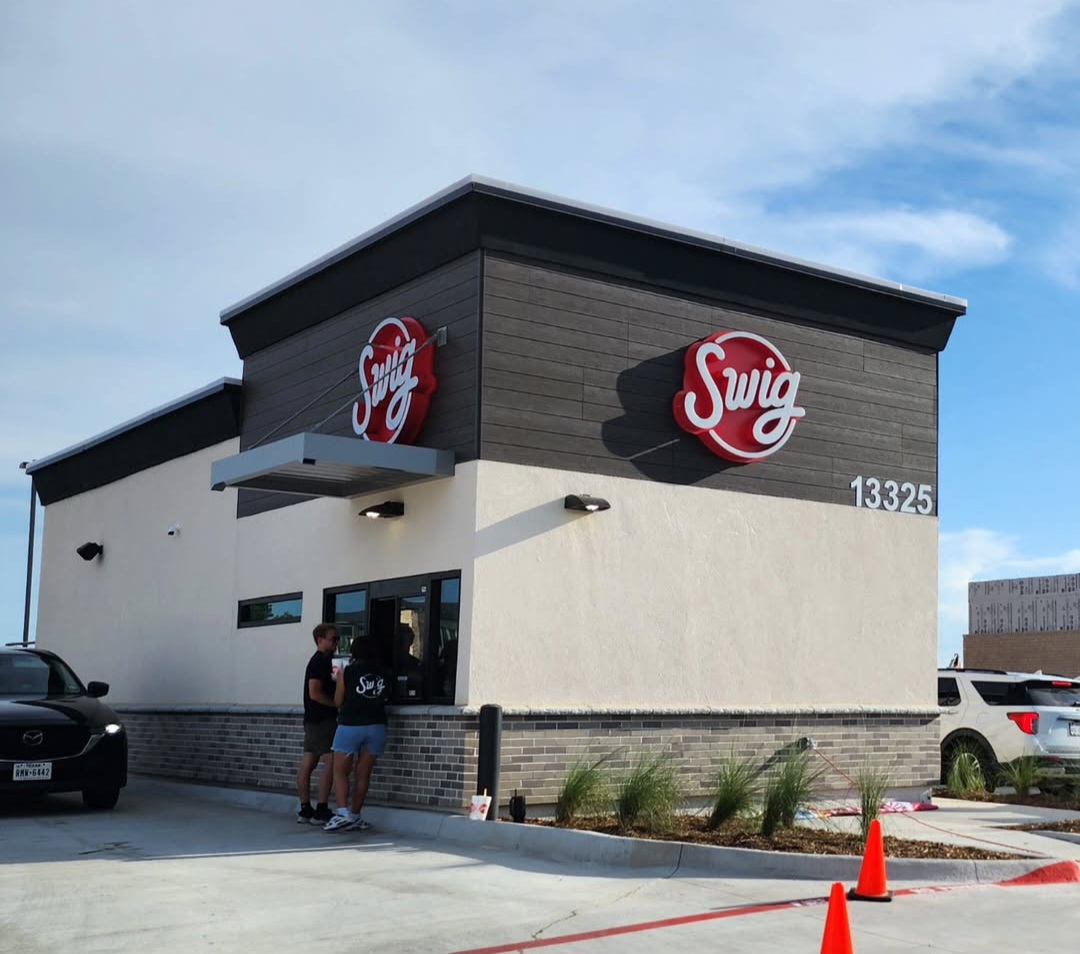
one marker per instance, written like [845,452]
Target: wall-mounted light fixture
[585,503]
[390,508]
[90,550]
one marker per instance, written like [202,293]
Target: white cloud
[903,242]
[627,104]
[976,554]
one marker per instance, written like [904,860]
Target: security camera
[174,530]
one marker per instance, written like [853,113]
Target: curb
[565,845]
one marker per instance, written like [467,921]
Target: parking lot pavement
[167,875]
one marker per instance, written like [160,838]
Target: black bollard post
[489,757]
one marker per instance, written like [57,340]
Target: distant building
[1025,624]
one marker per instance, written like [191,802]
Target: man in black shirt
[320,723]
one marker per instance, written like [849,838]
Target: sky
[160,162]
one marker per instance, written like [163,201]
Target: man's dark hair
[322,630]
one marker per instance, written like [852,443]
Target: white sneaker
[342,819]
[358,824]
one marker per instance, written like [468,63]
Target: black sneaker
[305,815]
[321,815]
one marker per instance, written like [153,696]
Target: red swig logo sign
[738,396]
[397,377]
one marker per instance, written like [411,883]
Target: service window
[414,624]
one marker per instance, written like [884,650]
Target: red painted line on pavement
[1065,872]
[644,926]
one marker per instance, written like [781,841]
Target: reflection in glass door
[412,625]
[398,625]
[348,612]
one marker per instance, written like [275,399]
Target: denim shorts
[350,739]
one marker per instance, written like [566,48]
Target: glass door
[399,625]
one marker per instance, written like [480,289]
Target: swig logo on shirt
[370,686]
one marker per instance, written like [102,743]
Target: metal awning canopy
[322,465]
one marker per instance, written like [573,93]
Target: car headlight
[112,728]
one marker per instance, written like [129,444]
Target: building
[756,563]
[1025,625]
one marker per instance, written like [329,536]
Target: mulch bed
[804,840]
[1072,825]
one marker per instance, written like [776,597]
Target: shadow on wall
[534,522]
[646,433]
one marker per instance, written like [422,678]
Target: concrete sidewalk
[972,823]
[976,824]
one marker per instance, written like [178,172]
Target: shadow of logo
[646,433]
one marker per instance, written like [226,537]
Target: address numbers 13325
[878,494]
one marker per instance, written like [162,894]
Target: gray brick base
[431,754]
[430,759]
[536,749]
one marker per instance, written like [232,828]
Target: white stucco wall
[156,615]
[676,597]
[679,596]
[323,543]
[153,614]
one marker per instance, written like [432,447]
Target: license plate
[32,772]
[1074,728]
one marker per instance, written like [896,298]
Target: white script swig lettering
[773,393]
[392,377]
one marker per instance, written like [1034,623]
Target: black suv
[55,734]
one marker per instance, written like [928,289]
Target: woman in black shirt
[362,692]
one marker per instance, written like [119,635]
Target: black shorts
[319,736]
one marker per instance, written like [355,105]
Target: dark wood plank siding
[282,379]
[580,373]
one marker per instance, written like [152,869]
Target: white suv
[999,716]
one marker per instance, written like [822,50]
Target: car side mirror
[97,689]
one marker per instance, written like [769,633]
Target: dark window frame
[279,598]
[430,585]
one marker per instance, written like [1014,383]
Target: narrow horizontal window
[270,610]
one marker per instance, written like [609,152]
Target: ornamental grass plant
[965,777]
[649,795]
[872,782]
[1022,774]
[787,789]
[735,790]
[585,791]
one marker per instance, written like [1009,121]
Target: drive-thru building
[642,487]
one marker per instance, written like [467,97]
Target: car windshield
[1049,694]
[30,675]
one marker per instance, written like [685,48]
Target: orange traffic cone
[871,885]
[837,937]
